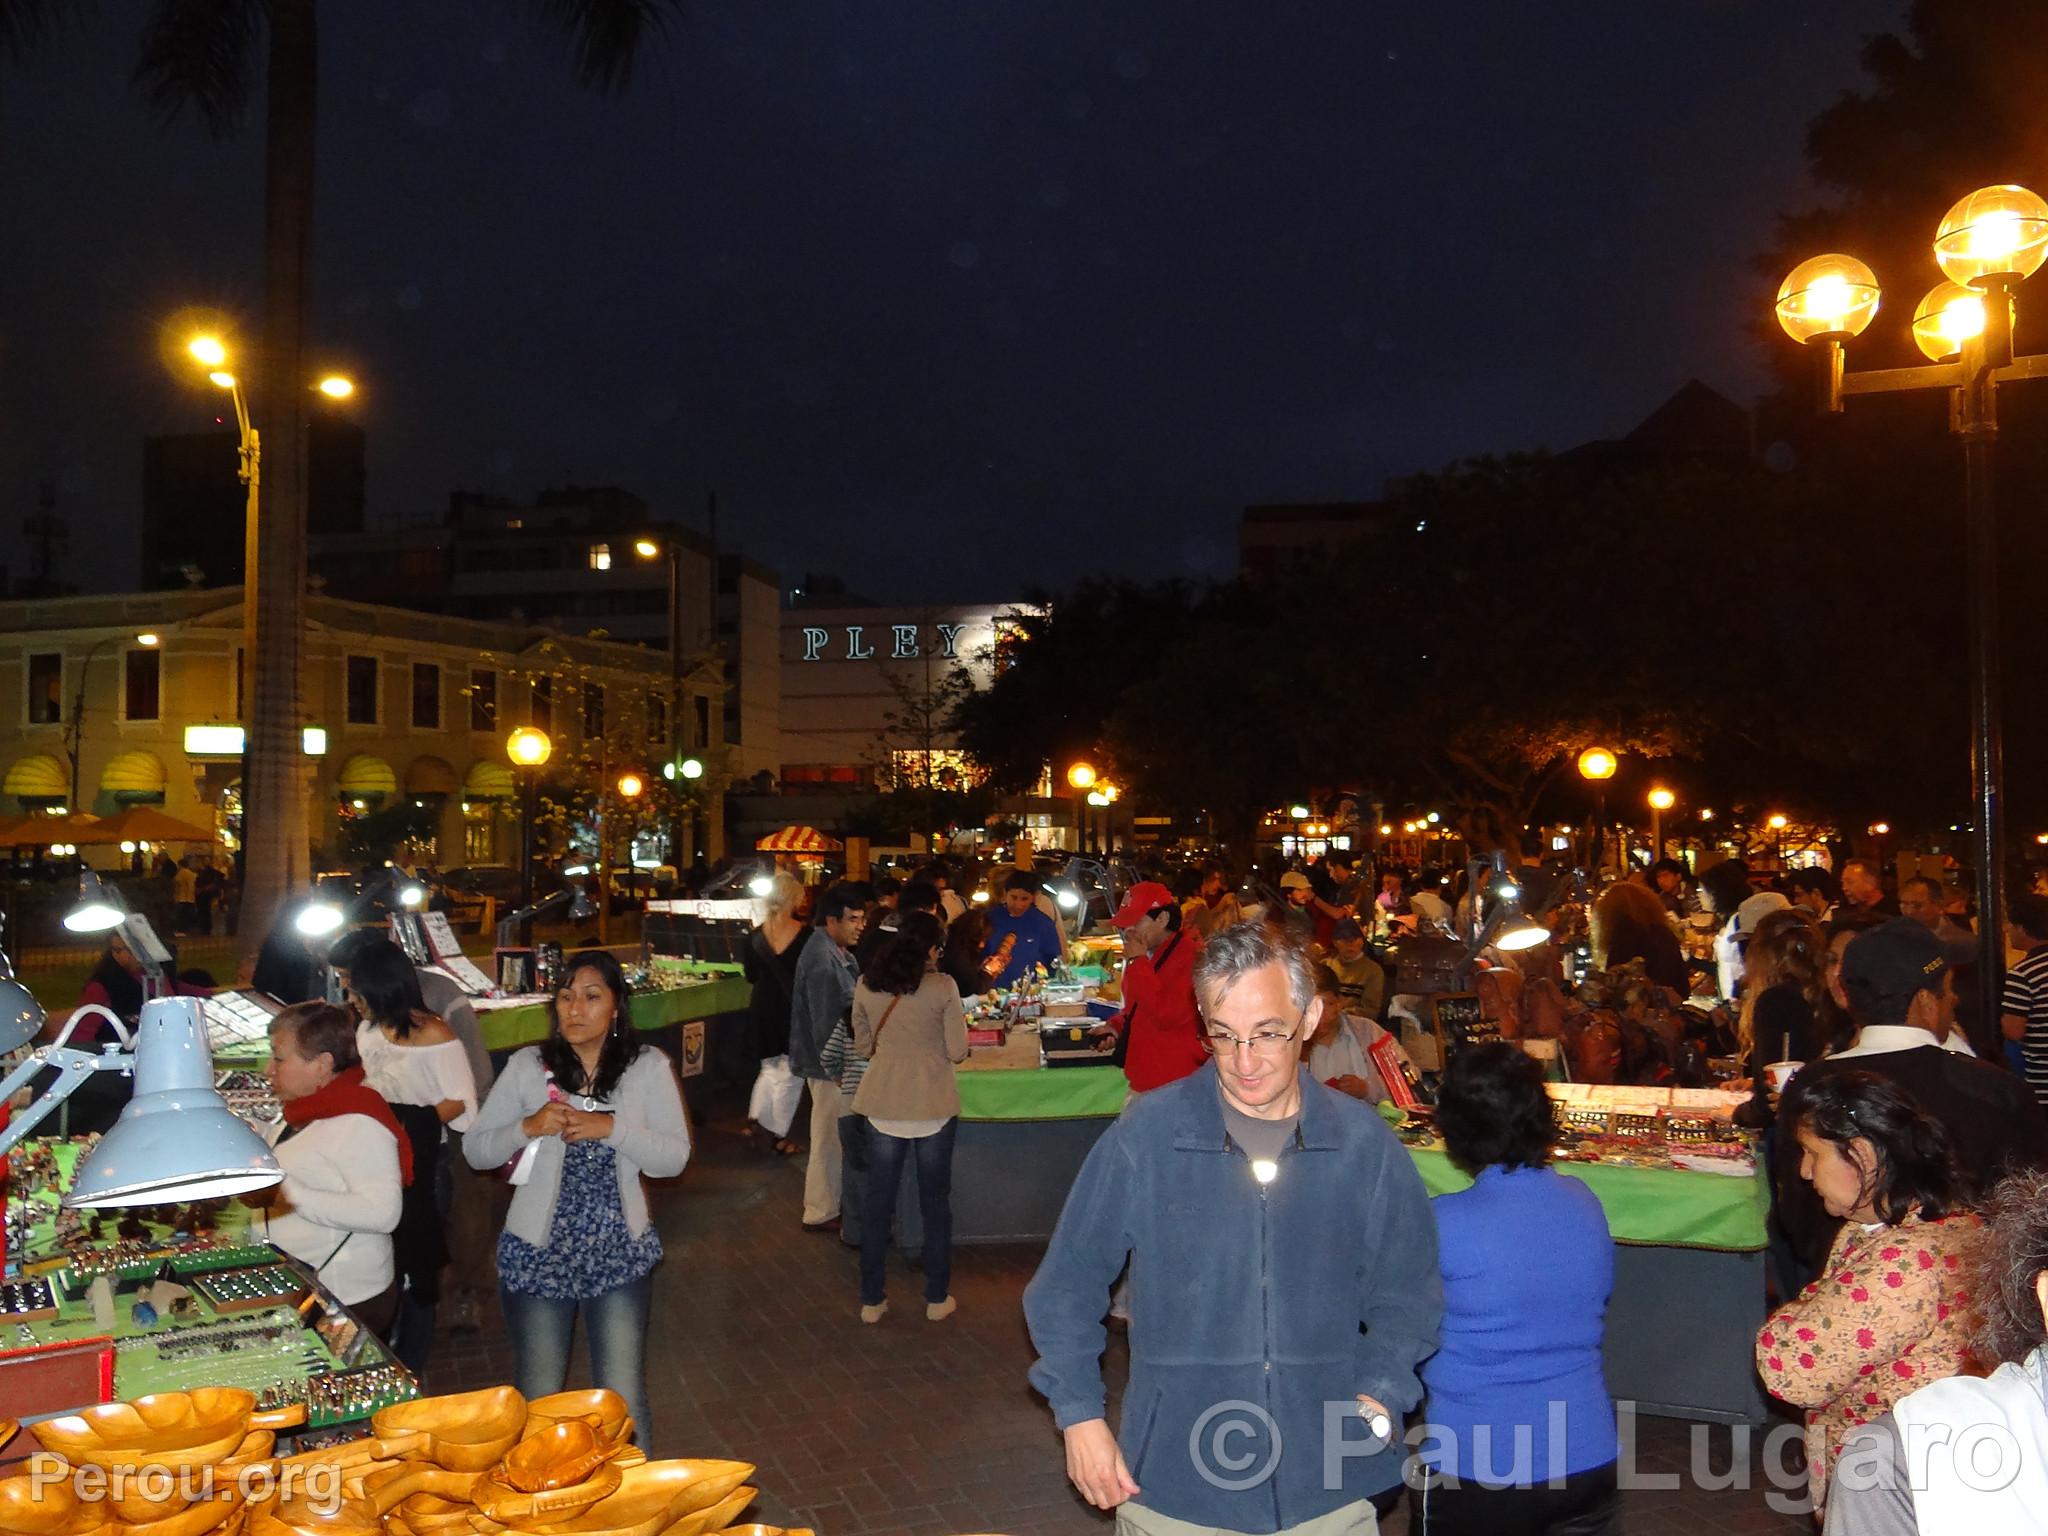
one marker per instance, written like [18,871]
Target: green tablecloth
[506,1029]
[1662,1207]
[1049,1093]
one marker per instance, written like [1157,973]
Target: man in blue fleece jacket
[1283,1281]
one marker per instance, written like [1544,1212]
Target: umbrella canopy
[42,831]
[799,840]
[147,824]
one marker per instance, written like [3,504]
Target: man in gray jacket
[821,994]
[1283,1278]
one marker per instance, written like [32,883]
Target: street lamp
[1596,767]
[1661,800]
[1776,822]
[1987,244]
[273,640]
[529,748]
[1080,777]
[651,548]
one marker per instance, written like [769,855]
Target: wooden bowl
[130,1507]
[651,1499]
[168,1429]
[466,1432]
[564,1453]
[716,1518]
[196,1519]
[607,1405]
[51,1510]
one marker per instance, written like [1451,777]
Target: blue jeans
[616,1328]
[933,1157]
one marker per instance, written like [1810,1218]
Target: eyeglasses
[1265,1042]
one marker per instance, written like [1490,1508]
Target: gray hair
[1233,953]
[2009,1260]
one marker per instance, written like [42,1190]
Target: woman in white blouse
[416,1062]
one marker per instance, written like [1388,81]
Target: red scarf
[347,1094]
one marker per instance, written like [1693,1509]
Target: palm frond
[26,24]
[605,36]
[199,53]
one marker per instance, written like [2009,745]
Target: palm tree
[199,54]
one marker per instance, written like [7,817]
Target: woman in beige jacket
[908,1021]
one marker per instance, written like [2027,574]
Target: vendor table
[1688,1283]
[1688,1262]
[507,1027]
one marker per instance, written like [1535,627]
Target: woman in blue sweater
[1521,1428]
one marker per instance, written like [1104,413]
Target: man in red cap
[1159,1022]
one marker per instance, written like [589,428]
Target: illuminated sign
[903,642]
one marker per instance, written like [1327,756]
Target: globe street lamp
[1080,779]
[529,748]
[1596,767]
[1661,800]
[1986,245]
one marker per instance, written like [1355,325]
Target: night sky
[948,297]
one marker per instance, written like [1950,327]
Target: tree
[200,54]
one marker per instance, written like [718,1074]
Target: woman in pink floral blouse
[1891,1309]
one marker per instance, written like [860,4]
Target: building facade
[570,559]
[107,702]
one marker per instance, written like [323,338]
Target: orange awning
[799,840]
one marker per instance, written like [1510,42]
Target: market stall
[122,1303]
[1689,1264]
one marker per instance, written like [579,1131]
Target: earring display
[27,1301]
[243,1290]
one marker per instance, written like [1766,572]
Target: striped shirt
[2026,997]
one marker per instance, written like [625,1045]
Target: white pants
[821,1177]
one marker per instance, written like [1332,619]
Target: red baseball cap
[1141,901]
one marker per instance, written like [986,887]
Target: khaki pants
[821,1177]
[1350,1520]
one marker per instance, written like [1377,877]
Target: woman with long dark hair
[908,1022]
[966,938]
[586,1113]
[1890,1311]
[1786,1013]
[415,1061]
[1628,922]
[1518,1364]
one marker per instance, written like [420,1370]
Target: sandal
[787,1148]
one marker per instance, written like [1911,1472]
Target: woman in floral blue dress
[585,1114]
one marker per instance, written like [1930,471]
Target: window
[593,710]
[362,690]
[703,722]
[144,689]
[542,713]
[46,688]
[657,720]
[426,696]
[600,557]
[483,700]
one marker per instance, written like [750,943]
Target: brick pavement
[910,1428]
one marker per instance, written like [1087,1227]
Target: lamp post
[630,785]
[1596,767]
[655,549]
[1081,778]
[529,748]
[1986,246]
[273,643]
[1776,822]
[1661,800]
